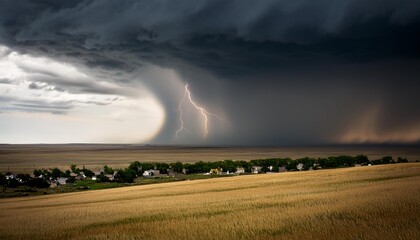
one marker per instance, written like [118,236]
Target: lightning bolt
[203,112]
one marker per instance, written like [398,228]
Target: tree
[127,175]
[38,183]
[23,177]
[177,167]
[137,167]
[362,159]
[37,172]
[67,173]
[387,160]
[88,173]
[74,169]
[56,173]
[3,182]
[102,178]
[162,167]
[108,170]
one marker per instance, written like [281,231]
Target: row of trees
[271,163]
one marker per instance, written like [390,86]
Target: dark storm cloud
[293,71]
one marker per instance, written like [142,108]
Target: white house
[300,166]
[151,173]
[109,176]
[81,176]
[62,181]
[240,170]
[256,169]
[9,176]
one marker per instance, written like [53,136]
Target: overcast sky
[267,72]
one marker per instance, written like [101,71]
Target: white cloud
[52,102]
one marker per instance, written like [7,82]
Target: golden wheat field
[376,202]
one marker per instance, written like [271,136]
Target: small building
[215,171]
[256,169]
[171,173]
[316,166]
[52,183]
[109,176]
[81,176]
[151,173]
[9,176]
[73,175]
[282,169]
[240,170]
[300,166]
[62,181]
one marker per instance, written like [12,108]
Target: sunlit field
[376,202]
[25,158]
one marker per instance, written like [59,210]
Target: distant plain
[24,158]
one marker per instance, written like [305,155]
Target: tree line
[42,177]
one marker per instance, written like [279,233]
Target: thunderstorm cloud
[277,72]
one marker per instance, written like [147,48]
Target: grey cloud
[50,79]
[108,22]
[292,71]
[11,103]
[44,86]
[5,81]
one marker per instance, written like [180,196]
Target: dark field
[25,158]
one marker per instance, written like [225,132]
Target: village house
[317,166]
[52,183]
[109,176]
[240,170]
[171,173]
[256,169]
[9,176]
[62,181]
[152,173]
[300,166]
[81,176]
[215,171]
[282,169]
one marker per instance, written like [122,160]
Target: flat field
[25,158]
[376,202]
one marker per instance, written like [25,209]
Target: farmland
[376,202]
